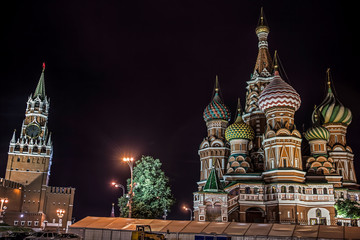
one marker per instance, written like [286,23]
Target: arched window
[247,190]
[35,149]
[291,189]
[325,191]
[303,190]
[299,190]
[283,189]
[28,160]
[37,104]
[314,191]
[25,149]
[18,159]
[273,189]
[256,190]
[17,147]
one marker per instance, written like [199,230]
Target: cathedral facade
[255,169]
[30,201]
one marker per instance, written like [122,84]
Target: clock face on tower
[33,130]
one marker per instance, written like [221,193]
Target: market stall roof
[304,231]
[220,228]
[216,227]
[282,230]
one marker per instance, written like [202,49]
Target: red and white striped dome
[279,94]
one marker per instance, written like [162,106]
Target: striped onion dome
[317,132]
[333,111]
[239,129]
[278,93]
[216,108]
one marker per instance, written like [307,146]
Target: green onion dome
[317,132]
[332,110]
[239,129]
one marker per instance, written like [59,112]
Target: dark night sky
[134,77]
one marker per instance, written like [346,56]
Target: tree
[347,209]
[152,193]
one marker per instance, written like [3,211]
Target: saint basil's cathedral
[255,170]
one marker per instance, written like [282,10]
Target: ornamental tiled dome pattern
[216,110]
[279,94]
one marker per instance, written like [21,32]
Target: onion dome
[317,131]
[331,109]
[216,110]
[278,93]
[239,129]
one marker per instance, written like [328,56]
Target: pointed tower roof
[213,183]
[264,65]
[13,137]
[40,88]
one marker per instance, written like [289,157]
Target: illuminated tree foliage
[347,209]
[152,193]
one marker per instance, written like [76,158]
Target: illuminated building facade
[254,169]
[31,201]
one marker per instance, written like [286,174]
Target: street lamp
[3,208]
[191,212]
[60,213]
[130,162]
[118,185]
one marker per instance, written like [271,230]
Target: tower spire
[13,137]
[239,112]
[263,66]
[40,88]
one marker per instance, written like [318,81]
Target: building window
[16,223]
[303,190]
[291,189]
[256,191]
[283,189]
[247,190]
[325,191]
[36,223]
[314,191]
[18,159]
[273,189]
[28,160]
[318,212]
[341,195]
[29,223]
[22,223]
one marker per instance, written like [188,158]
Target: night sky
[133,78]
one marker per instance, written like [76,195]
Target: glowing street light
[60,213]
[130,162]
[191,212]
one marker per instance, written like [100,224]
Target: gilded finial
[262,25]
[262,16]
[328,77]
[216,83]
[239,112]
[276,66]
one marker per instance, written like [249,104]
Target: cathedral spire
[40,88]
[263,66]
[239,112]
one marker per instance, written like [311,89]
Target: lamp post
[2,209]
[118,185]
[191,212]
[130,162]
[60,213]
